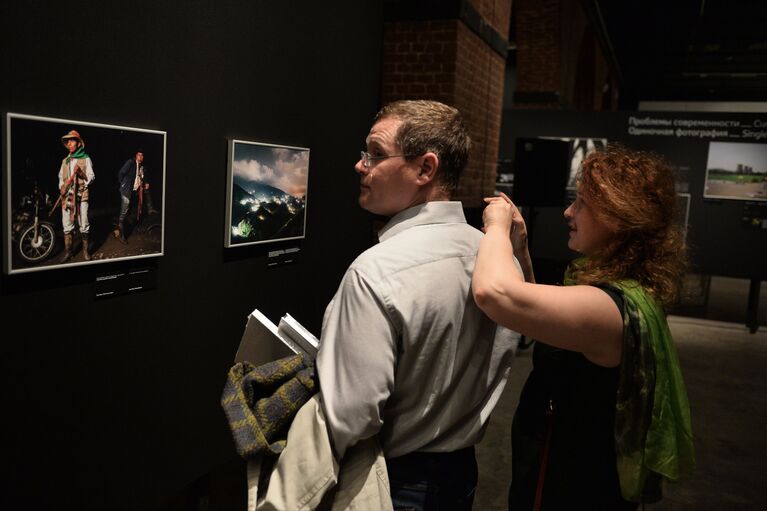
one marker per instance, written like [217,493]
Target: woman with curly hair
[603,417]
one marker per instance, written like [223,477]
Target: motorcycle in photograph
[33,237]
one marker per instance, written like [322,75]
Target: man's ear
[428,170]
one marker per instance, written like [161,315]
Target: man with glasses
[405,352]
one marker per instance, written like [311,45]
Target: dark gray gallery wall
[113,403]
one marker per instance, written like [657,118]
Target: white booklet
[263,341]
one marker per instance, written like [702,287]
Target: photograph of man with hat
[75,177]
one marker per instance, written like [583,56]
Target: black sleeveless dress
[581,468]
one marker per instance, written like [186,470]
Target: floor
[725,370]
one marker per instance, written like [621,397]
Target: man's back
[404,348]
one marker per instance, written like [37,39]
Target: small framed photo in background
[266,193]
[736,171]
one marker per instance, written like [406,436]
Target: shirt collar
[436,212]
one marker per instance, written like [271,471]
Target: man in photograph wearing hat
[75,178]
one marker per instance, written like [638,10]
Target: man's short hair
[432,126]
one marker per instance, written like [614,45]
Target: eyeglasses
[366,158]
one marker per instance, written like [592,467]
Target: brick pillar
[539,54]
[419,60]
[454,58]
[560,62]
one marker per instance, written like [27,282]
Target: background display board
[722,163]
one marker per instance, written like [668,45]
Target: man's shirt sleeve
[356,361]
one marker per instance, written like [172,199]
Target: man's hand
[63,189]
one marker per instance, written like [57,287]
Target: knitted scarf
[260,402]
[653,432]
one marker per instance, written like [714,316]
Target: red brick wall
[551,36]
[479,96]
[419,60]
[445,61]
[497,13]
[538,46]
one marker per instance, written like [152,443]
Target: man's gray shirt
[404,349]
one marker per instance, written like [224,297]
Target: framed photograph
[266,193]
[80,193]
[736,170]
[579,149]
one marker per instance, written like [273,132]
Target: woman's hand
[503,212]
[498,213]
[519,231]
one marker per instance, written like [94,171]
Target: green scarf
[653,432]
[80,153]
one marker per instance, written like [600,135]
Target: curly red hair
[633,192]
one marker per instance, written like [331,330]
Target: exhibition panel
[722,170]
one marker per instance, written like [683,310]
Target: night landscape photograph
[267,200]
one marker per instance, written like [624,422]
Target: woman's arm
[577,318]
[519,242]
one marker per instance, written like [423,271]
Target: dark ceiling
[681,50]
